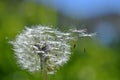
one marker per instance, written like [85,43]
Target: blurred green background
[97,62]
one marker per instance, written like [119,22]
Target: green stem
[45,75]
[43,66]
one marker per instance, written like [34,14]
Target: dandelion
[42,48]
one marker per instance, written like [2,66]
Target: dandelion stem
[45,69]
[45,75]
[43,66]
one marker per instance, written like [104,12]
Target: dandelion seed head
[42,41]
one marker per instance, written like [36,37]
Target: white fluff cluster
[42,46]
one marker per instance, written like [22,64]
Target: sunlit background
[93,58]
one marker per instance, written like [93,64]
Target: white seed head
[41,42]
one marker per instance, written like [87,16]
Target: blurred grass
[96,63]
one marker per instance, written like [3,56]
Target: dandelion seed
[81,33]
[41,47]
[87,35]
